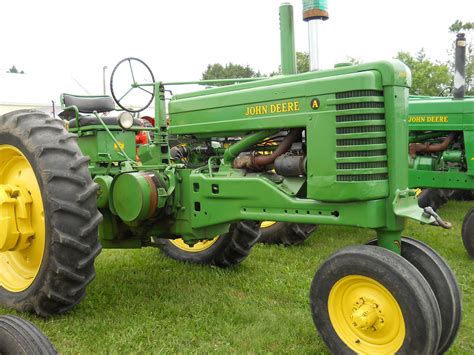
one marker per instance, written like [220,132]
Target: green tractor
[441,135]
[340,160]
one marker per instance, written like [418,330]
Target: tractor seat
[89,104]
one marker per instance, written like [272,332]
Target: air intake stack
[287,39]
[313,12]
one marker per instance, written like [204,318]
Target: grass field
[143,302]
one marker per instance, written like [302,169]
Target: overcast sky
[179,38]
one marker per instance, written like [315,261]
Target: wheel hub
[366,315]
[23,232]
[15,210]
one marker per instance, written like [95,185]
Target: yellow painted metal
[266,224]
[9,234]
[196,248]
[22,219]
[366,316]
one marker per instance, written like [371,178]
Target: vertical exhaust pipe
[313,12]
[460,67]
[287,40]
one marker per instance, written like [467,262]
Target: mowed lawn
[142,302]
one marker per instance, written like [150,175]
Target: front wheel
[285,233]
[443,283]
[366,299]
[225,250]
[21,337]
[467,232]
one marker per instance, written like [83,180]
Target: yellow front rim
[196,248]
[267,224]
[21,210]
[366,316]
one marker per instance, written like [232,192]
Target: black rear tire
[467,232]
[228,249]
[463,195]
[434,198]
[443,283]
[364,265]
[286,233]
[21,337]
[71,217]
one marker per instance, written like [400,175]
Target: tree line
[429,77]
[14,70]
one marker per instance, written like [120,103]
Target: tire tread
[66,187]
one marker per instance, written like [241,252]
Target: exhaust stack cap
[315,10]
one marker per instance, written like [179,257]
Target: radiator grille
[357,105]
[359,141]
[363,129]
[358,93]
[364,165]
[361,117]
[361,153]
[361,144]
[367,177]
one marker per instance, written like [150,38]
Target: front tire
[366,299]
[467,232]
[443,283]
[42,170]
[228,249]
[21,337]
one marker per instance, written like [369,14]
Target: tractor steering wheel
[124,86]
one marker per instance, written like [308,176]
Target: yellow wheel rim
[23,239]
[366,316]
[196,248]
[267,224]
[418,192]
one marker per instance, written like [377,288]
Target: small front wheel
[443,283]
[467,232]
[366,299]
[21,337]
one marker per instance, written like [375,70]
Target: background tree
[428,78]
[468,29]
[302,64]
[354,61]
[14,70]
[229,71]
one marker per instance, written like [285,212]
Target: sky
[56,40]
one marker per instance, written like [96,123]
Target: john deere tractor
[442,145]
[340,160]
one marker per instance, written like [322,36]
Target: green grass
[143,302]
